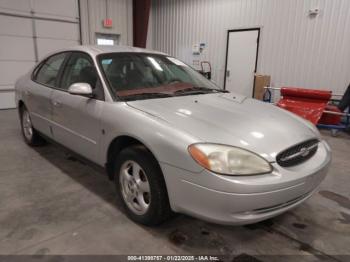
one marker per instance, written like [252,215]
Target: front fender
[167,143]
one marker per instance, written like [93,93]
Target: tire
[134,168]
[30,135]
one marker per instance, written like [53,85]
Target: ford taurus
[170,139]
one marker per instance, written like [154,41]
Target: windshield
[133,76]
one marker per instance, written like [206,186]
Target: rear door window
[47,73]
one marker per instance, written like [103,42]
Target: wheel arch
[117,145]
[20,104]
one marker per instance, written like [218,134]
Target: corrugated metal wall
[93,12]
[295,49]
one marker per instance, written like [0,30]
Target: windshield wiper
[145,96]
[197,90]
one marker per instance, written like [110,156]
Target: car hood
[231,119]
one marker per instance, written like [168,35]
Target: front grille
[297,154]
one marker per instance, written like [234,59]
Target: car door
[37,95]
[76,119]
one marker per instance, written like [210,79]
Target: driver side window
[80,69]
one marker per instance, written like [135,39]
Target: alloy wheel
[27,125]
[135,187]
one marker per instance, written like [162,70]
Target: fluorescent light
[103,41]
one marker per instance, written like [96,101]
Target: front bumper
[238,200]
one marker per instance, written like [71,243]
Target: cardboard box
[260,82]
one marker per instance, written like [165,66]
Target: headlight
[228,160]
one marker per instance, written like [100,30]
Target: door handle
[56,103]
[27,93]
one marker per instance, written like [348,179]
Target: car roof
[95,50]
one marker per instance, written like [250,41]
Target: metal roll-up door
[29,30]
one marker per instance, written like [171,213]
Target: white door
[241,61]
[28,31]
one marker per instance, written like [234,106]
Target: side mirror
[81,89]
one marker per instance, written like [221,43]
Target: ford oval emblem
[304,151]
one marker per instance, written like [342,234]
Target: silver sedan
[170,139]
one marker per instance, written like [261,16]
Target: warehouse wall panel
[46,46]
[16,5]
[57,30]
[295,49]
[7,99]
[15,26]
[21,49]
[61,8]
[12,69]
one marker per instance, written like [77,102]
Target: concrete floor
[52,204]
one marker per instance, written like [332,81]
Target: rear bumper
[244,200]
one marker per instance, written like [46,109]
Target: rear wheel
[141,186]
[30,135]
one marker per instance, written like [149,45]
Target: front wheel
[141,186]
